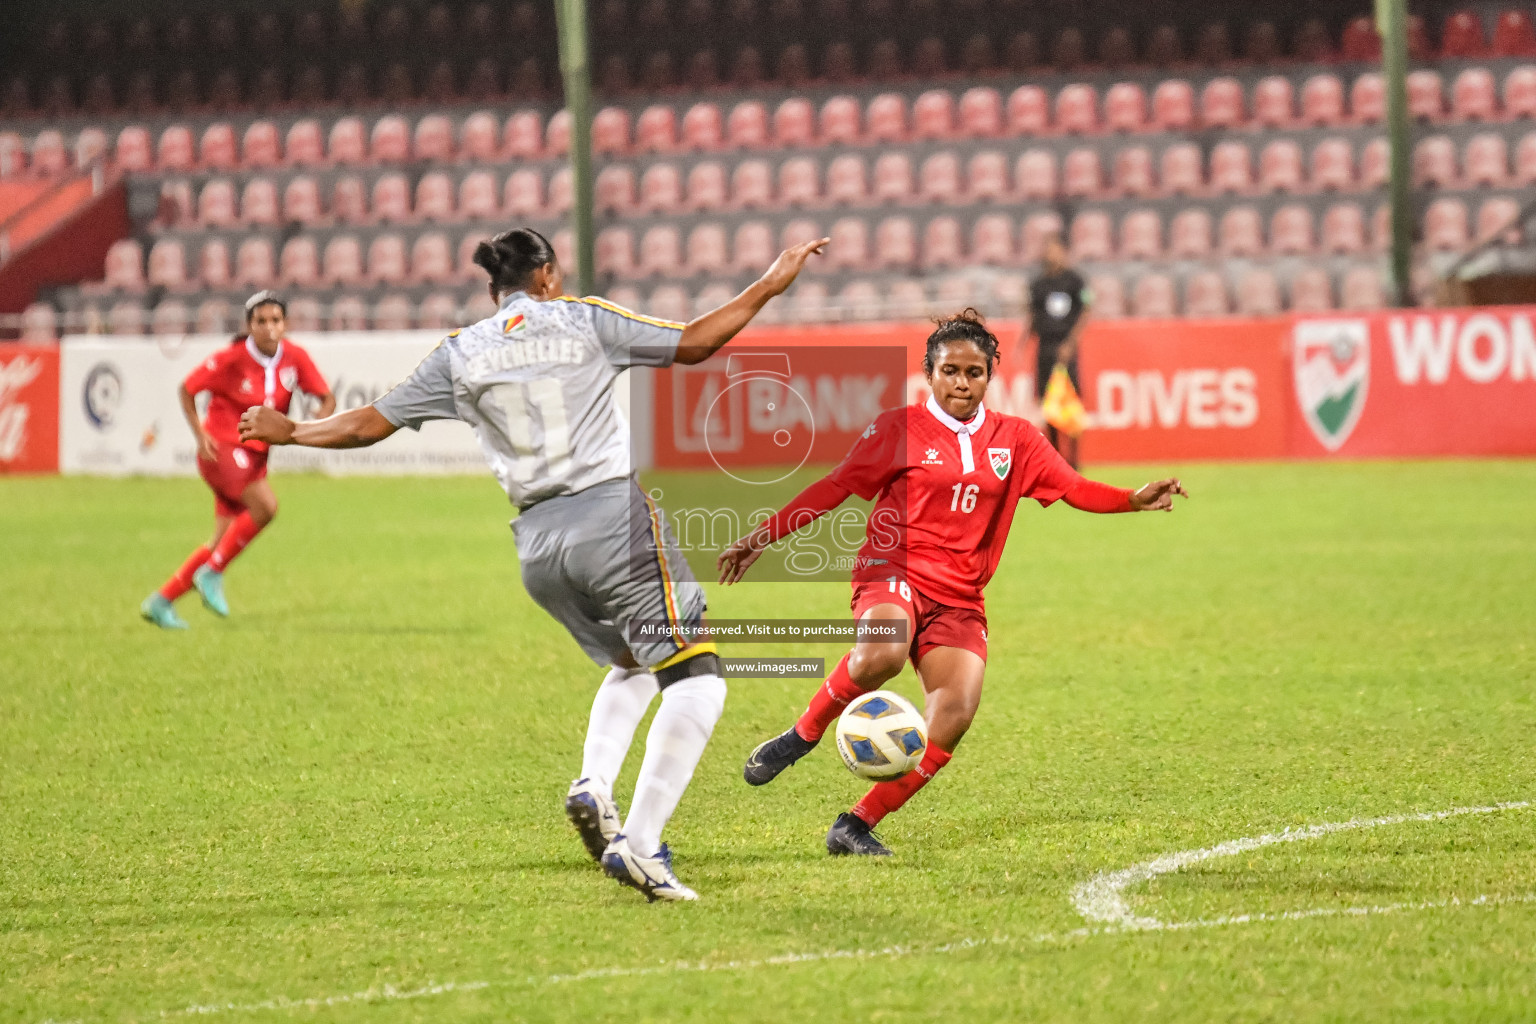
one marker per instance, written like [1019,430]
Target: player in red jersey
[948,474]
[260,367]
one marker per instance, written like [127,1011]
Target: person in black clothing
[1059,300]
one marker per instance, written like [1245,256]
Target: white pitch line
[1102,900]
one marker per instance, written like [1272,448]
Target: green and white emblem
[1331,360]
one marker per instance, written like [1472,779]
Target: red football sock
[240,533]
[828,702]
[182,582]
[885,797]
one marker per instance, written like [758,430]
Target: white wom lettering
[1473,364]
[1419,350]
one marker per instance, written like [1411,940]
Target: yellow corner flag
[1061,406]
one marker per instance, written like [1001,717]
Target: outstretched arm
[356,428]
[704,335]
[805,508]
[1092,496]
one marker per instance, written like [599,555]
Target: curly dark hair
[512,256]
[966,325]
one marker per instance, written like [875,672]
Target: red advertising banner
[29,409]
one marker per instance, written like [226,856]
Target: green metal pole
[1392,24]
[575,69]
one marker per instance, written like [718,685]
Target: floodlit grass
[352,787]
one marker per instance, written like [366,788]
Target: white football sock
[689,710]
[620,703]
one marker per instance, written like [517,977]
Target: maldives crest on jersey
[288,376]
[1001,459]
[1331,363]
[516,323]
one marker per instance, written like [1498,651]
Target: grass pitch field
[343,804]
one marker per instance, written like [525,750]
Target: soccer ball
[881,736]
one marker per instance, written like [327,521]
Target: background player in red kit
[948,474]
[261,367]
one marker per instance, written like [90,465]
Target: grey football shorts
[605,564]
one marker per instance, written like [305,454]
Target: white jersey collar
[268,365]
[963,431]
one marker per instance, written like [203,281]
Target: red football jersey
[943,513]
[237,377]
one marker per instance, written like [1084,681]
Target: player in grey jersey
[535,381]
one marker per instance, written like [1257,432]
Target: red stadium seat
[348,313]
[1474,96]
[217,149]
[1361,290]
[1333,165]
[49,155]
[706,253]
[893,178]
[1173,106]
[1125,107]
[1445,225]
[477,196]
[1498,216]
[1037,228]
[933,115]
[751,186]
[1231,167]
[981,113]
[126,317]
[943,244]
[656,130]
[216,204]
[798,232]
[167,264]
[1028,111]
[849,249]
[90,146]
[1290,230]
[1426,95]
[13,155]
[255,264]
[1381,228]
[348,142]
[387,262]
[660,252]
[752,248]
[661,189]
[1375,164]
[895,244]
[1077,109]
[261,145]
[992,240]
[438,312]
[1091,236]
[391,199]
[170,317]
[1486,160]
[706,186]
[1180,169]
[523,194]
[1311,291]
[299,264]
[1520,93]
[478,138]
[1274,102]
[133,150]
[433,139]
[1081,174]
[1221,103]
[1434,162]
[1463,36]
[1360,43]
[1214,46]
[840,121]
[1241,232]
[613,189]
[523,135]
[258,202]
[1513,35]
[464,260]
[304,144]
[1368,99]
[1035,174]
[860,300]
[886,118]
[557,135]
[1205,295]
[1108,296]
[938,180]
[712,296]
[610,131]
[1322,100]
[846,184]
[390,141]
[1153,297]
[213,265]
[747,126]
[794,123]
[1525,160]
[1133,172]
[986,177]
[1343,229]
[799,183]
[1189,236]
[703,128]
[434,197]
[906,298]
[175,150]
[392,313]
[1280,167]
[1258,294]
[1141,235]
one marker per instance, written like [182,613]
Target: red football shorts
[936,625]
[236,469]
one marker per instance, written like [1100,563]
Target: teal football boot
[161,612]
[210,584]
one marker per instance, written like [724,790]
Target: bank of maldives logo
[1331,361]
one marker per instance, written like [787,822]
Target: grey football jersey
[535,382]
